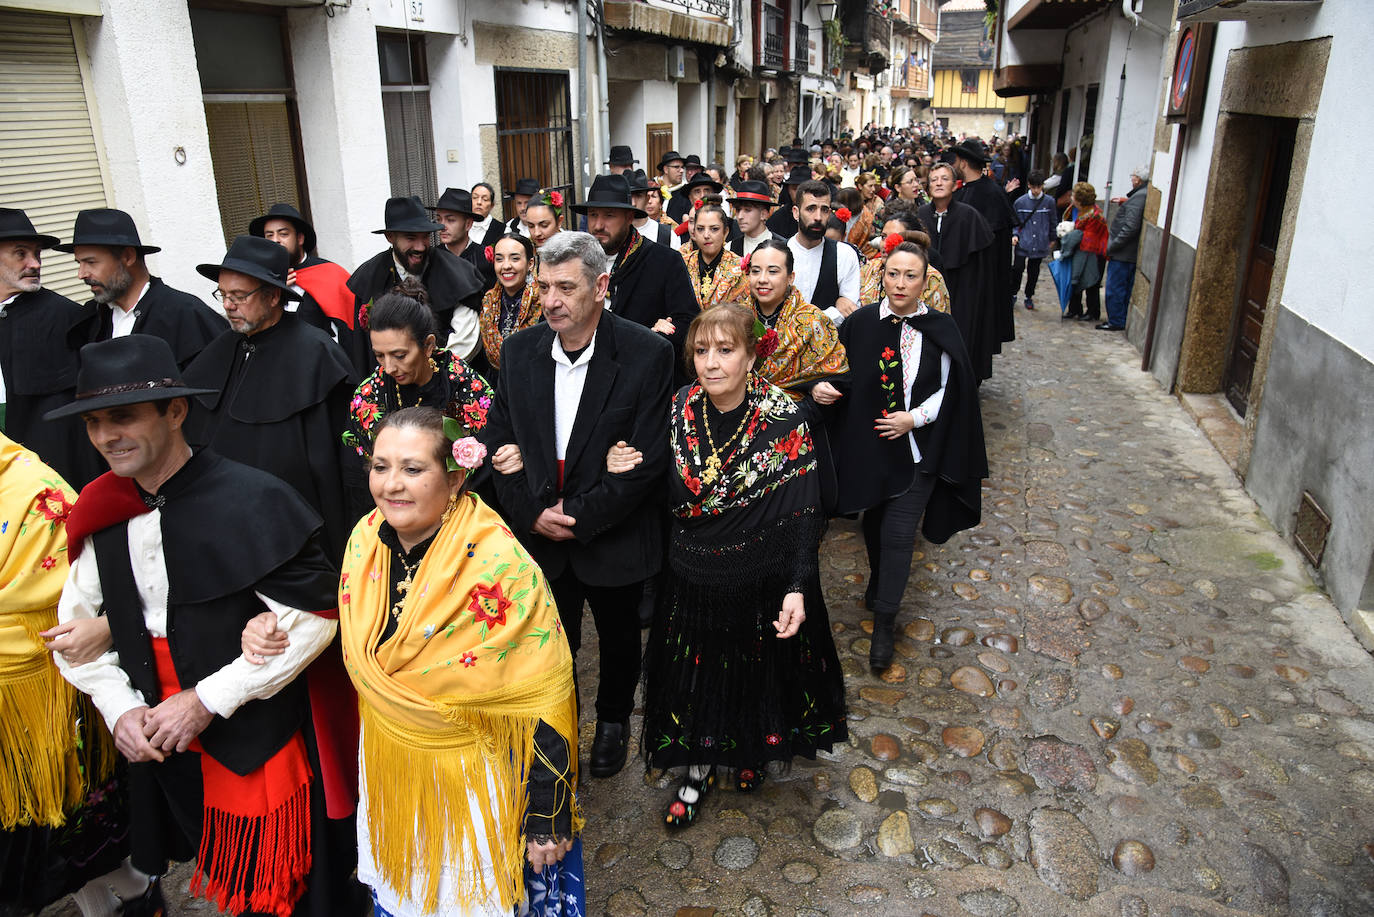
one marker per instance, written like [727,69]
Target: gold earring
[433,367]
[448,510]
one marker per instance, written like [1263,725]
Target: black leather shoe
[1108,326]
[880,648]
[610,748]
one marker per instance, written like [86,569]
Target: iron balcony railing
[801,60]
[774,39]
[718,8]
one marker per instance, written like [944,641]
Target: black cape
[476,256]
[180,319]
[40,375]
[964,244]
[653,283]
[451,282]
[990,200]
[871,469]
[282,403]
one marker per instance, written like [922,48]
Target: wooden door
[1259,265]
[658,139]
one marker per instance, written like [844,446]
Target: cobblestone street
[1121,695]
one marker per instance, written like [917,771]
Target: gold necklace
[403,587]
[711,470]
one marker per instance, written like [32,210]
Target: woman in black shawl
[906,434]
[740,668]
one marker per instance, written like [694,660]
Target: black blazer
[653,283]
[619,532]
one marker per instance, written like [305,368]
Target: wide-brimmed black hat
[693,160]
[131,369]
[621,156]
[670,156]
[289,214]
[259,259]
[106,226]
[407,214]
[528,186]
[970,149]
[457,200]
[796,155]
[611,192]
[702,180]
[638,181]
[15,224]
[753,192]
[798,175]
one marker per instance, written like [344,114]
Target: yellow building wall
[949,94]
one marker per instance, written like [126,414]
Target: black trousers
[1093,295]
[890,530]
[615,609]
[1032,268]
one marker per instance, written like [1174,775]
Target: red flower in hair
[680,229]
[767,344]
[744,264]
[892,241]
[556,198]
[844,214]
[696,204]
[490,253]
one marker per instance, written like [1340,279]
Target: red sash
[262,819]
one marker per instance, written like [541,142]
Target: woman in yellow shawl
[62,820]
[936,294]
[714,269]
[798,346]
[469,722]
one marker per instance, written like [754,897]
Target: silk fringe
[278,845]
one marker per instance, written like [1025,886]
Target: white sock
[94,899]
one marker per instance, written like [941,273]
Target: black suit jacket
[180,319]
[653,283]
[619,532]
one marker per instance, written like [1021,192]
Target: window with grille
[534,129]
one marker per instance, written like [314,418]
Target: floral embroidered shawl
[808,350]
[452,699]
[775,447]
[530,312]
[469,399]
[935,297]
[728,284]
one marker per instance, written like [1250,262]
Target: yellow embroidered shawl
[529,313]
[728,285]
[453,698]
[936,295]
[809,348]
[39,776]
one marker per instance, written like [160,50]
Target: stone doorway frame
[1259,83]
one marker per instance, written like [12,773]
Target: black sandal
[681,812]
[748,779]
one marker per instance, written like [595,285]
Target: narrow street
[1121,695]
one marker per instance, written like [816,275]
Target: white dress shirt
[808,267]
[925,412]
[478,230]
[568,381]
[122,320]
[649,230]
[222,692]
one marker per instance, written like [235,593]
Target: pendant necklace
[711,469]
[403,587]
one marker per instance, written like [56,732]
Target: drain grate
[1310,529]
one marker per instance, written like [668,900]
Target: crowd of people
[312,619]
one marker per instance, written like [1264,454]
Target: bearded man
[454,285]
[126,298]
[827,272]
[325,300]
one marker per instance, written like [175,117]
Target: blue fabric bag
[558,891]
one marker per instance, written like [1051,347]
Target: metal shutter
[49,165]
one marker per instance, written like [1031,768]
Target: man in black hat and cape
[695,189]
[279,387]
[37,366]
[990,200]
[176,551]
[127,299]
[652,230]
[964,242]
[325,301]
[454,212]
[621,160]
[455,287]
[752,202]
[649,283]
[526,189]
[784,221]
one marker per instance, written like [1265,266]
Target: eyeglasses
[236,298]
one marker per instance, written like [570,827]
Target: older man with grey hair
[571,387]
[1122,241]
